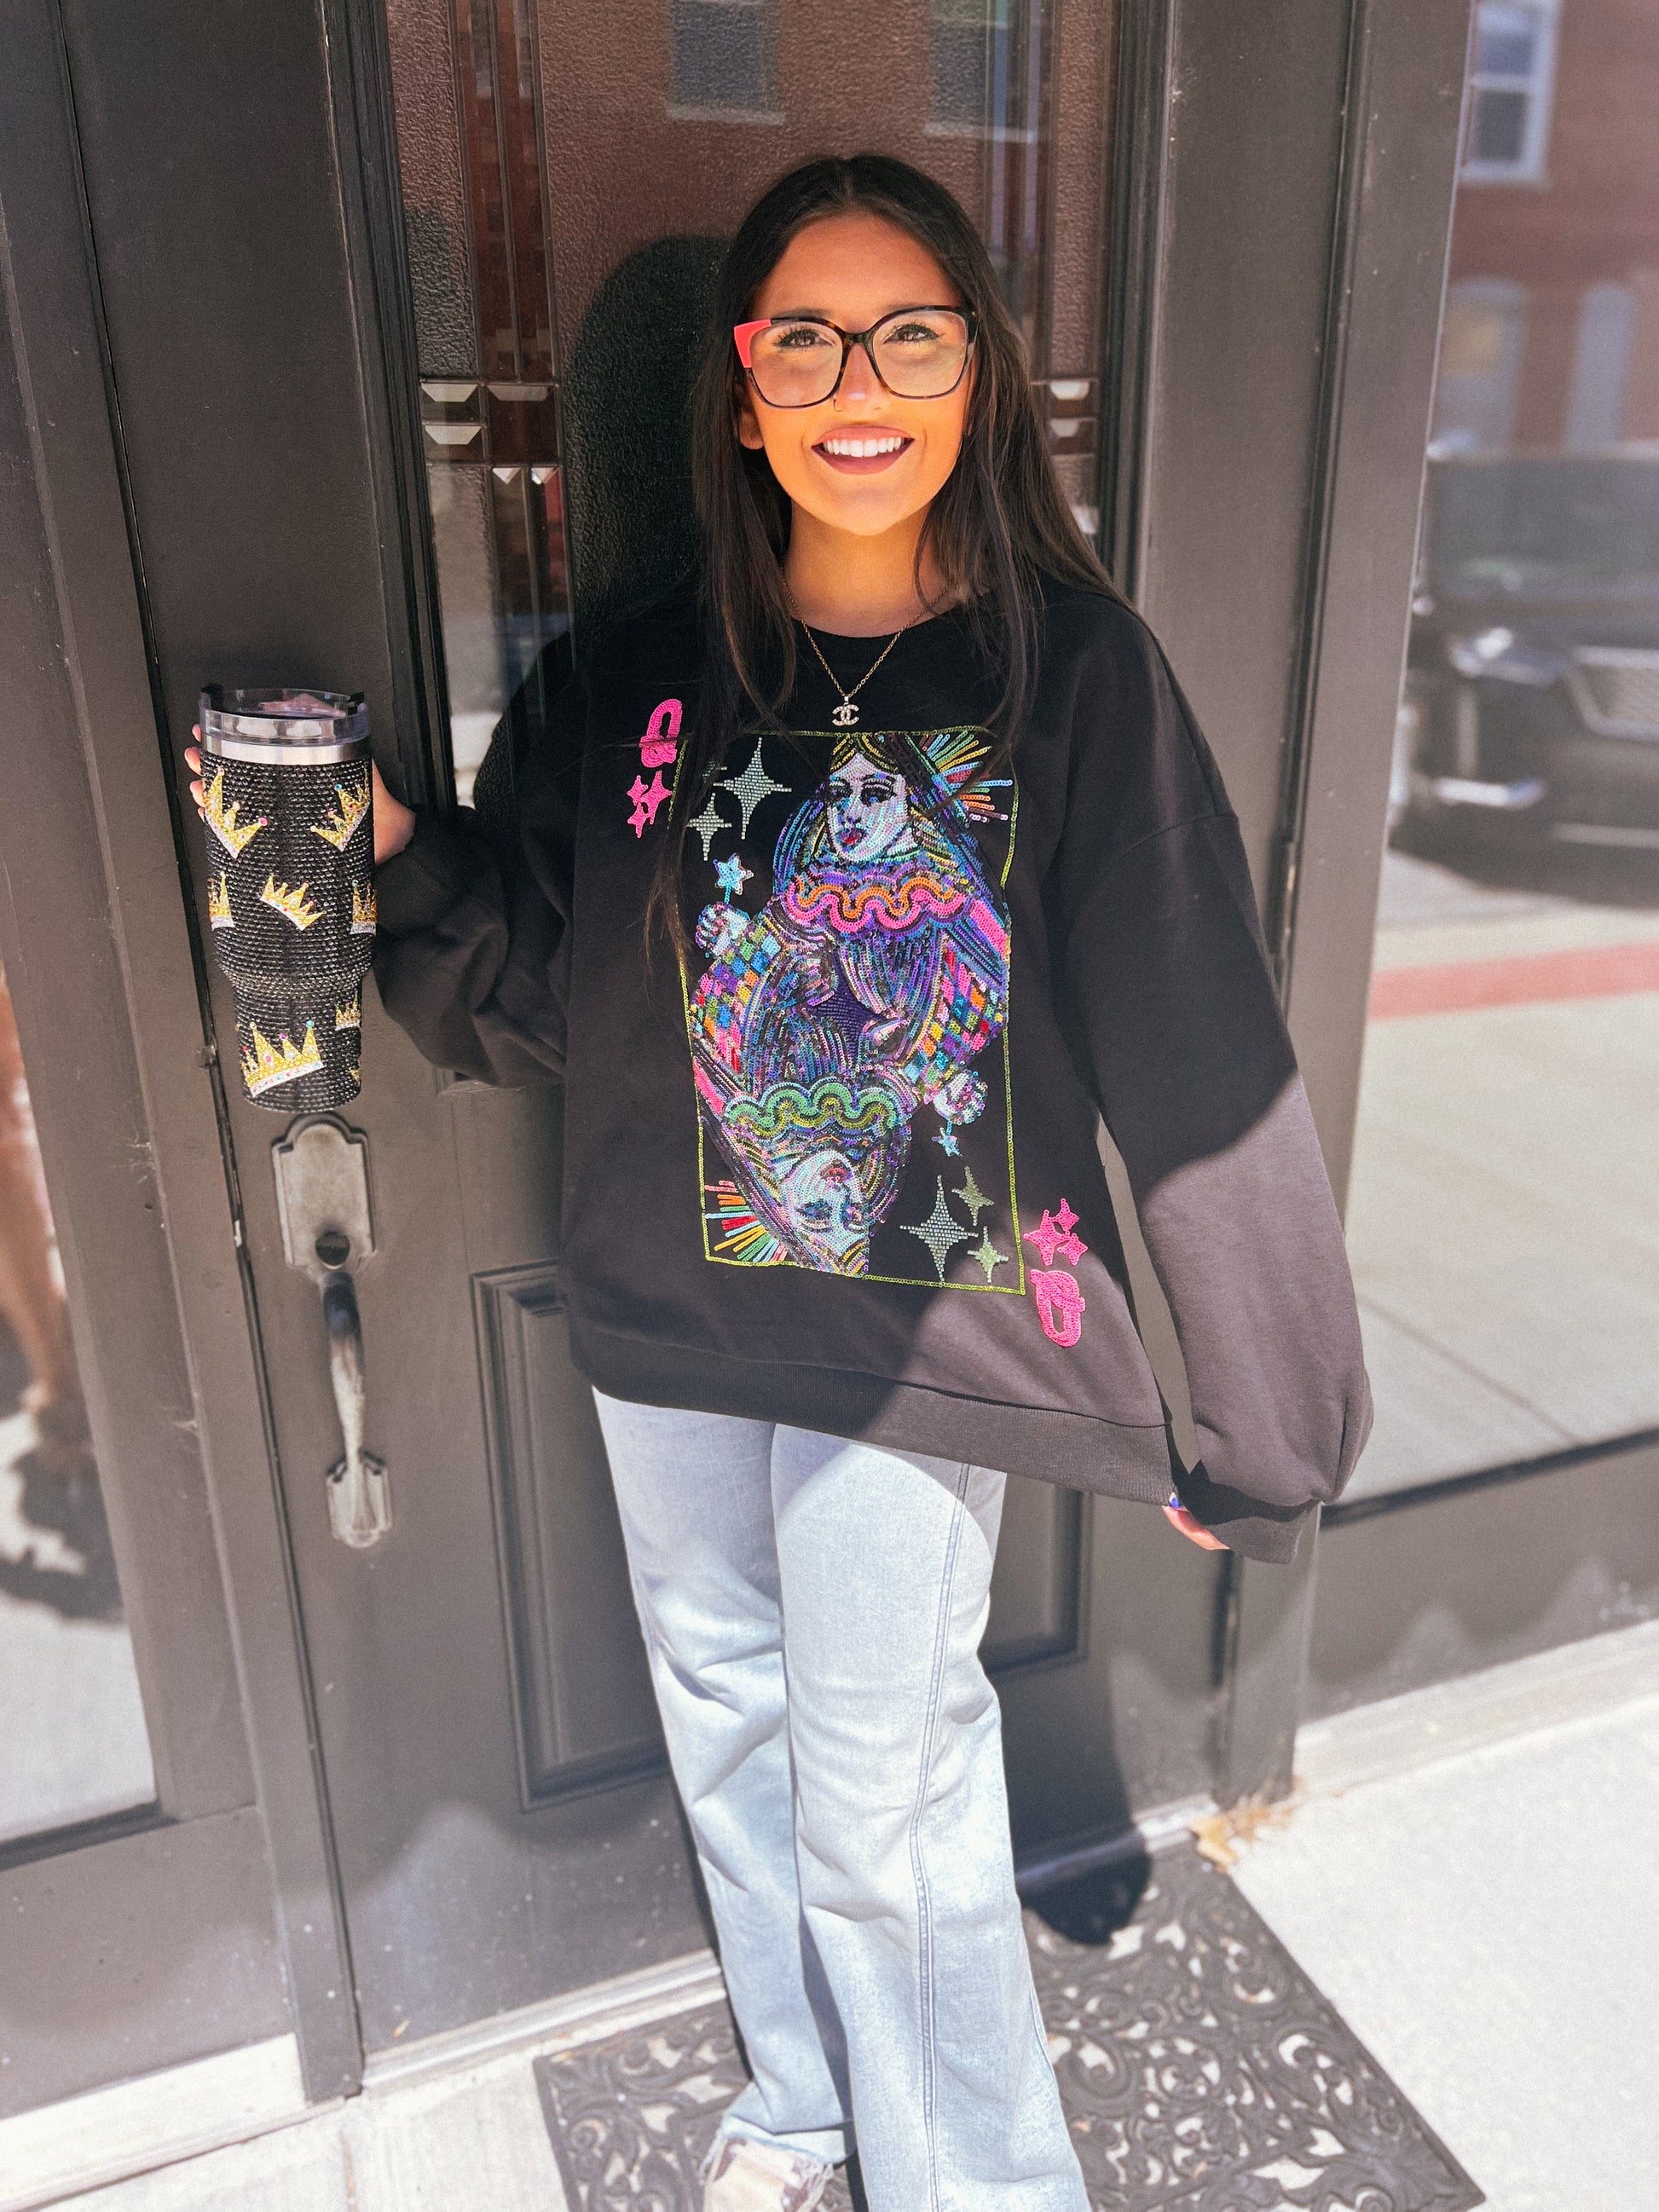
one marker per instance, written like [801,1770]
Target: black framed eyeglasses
[798,361]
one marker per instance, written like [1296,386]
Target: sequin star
[940,1232]
[987,1255]
[708,825]
[751,787]
[947,1141]
[973,1197]
[731,875]
[645,802]
[1054,1234]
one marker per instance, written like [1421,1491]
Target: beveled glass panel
[73,1742]
[569,174]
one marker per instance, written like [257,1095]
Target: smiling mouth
[862,452]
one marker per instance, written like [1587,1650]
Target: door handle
[322,1197]
[359,1501]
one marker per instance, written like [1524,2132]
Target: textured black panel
[584,1709]
[583,1705]
[1200,2069]
[1036,1589]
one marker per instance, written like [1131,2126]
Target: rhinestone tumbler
[290,841]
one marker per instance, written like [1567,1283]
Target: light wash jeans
[813,1610]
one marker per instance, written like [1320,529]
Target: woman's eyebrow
[823,315]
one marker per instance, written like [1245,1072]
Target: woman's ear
[749,429]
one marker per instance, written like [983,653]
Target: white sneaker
[755,2177]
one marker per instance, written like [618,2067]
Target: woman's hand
[1179,1517]
[394,823]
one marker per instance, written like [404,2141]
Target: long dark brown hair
[999,524]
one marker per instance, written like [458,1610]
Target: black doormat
[1200,2069]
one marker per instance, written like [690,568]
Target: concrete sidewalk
[1487,1922]
[1468,1875]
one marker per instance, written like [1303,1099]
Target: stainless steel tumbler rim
[279,752]
[284,717]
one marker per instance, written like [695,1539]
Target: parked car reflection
[1530,714]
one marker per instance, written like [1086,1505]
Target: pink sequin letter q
[659,746]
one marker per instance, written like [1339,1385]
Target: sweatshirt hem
[1078,1451]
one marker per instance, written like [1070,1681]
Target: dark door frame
[1316,412]
[220,1905]
[1262,499]
[1343,124]
[1286,370]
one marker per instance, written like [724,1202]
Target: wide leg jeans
[814,1609]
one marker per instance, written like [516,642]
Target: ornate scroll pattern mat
[1200,2068]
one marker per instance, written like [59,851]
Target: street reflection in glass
[72,1737]
[1504,1216]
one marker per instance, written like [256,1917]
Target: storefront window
[566,191]
[1512,89]
[1504,1216]
[72,1737]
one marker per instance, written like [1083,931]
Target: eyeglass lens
[919,355]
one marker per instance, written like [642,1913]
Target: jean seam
[1040,2027]
[924,1898]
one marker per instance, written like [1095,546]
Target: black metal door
[154,1757]
[327,487]
[360,270]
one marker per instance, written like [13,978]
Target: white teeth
[862,449]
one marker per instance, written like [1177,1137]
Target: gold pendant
[845,715]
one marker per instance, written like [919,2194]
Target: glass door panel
[71,1722]
[567,176]
[1504,1215]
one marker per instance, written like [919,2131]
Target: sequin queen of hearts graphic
[837,1029]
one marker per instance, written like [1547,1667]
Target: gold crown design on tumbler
[362,909]
[265,1065]
[222,819]
[293,905]
[350,1016]
[219,914]
[342,825]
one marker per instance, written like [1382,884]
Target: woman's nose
[859,379]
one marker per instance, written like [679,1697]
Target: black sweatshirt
[838,1168]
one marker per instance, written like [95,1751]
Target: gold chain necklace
[846,714]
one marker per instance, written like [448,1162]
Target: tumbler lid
[289,726]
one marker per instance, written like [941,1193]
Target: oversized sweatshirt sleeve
[1172,1006]
[472,952]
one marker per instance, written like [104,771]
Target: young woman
[852,890]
